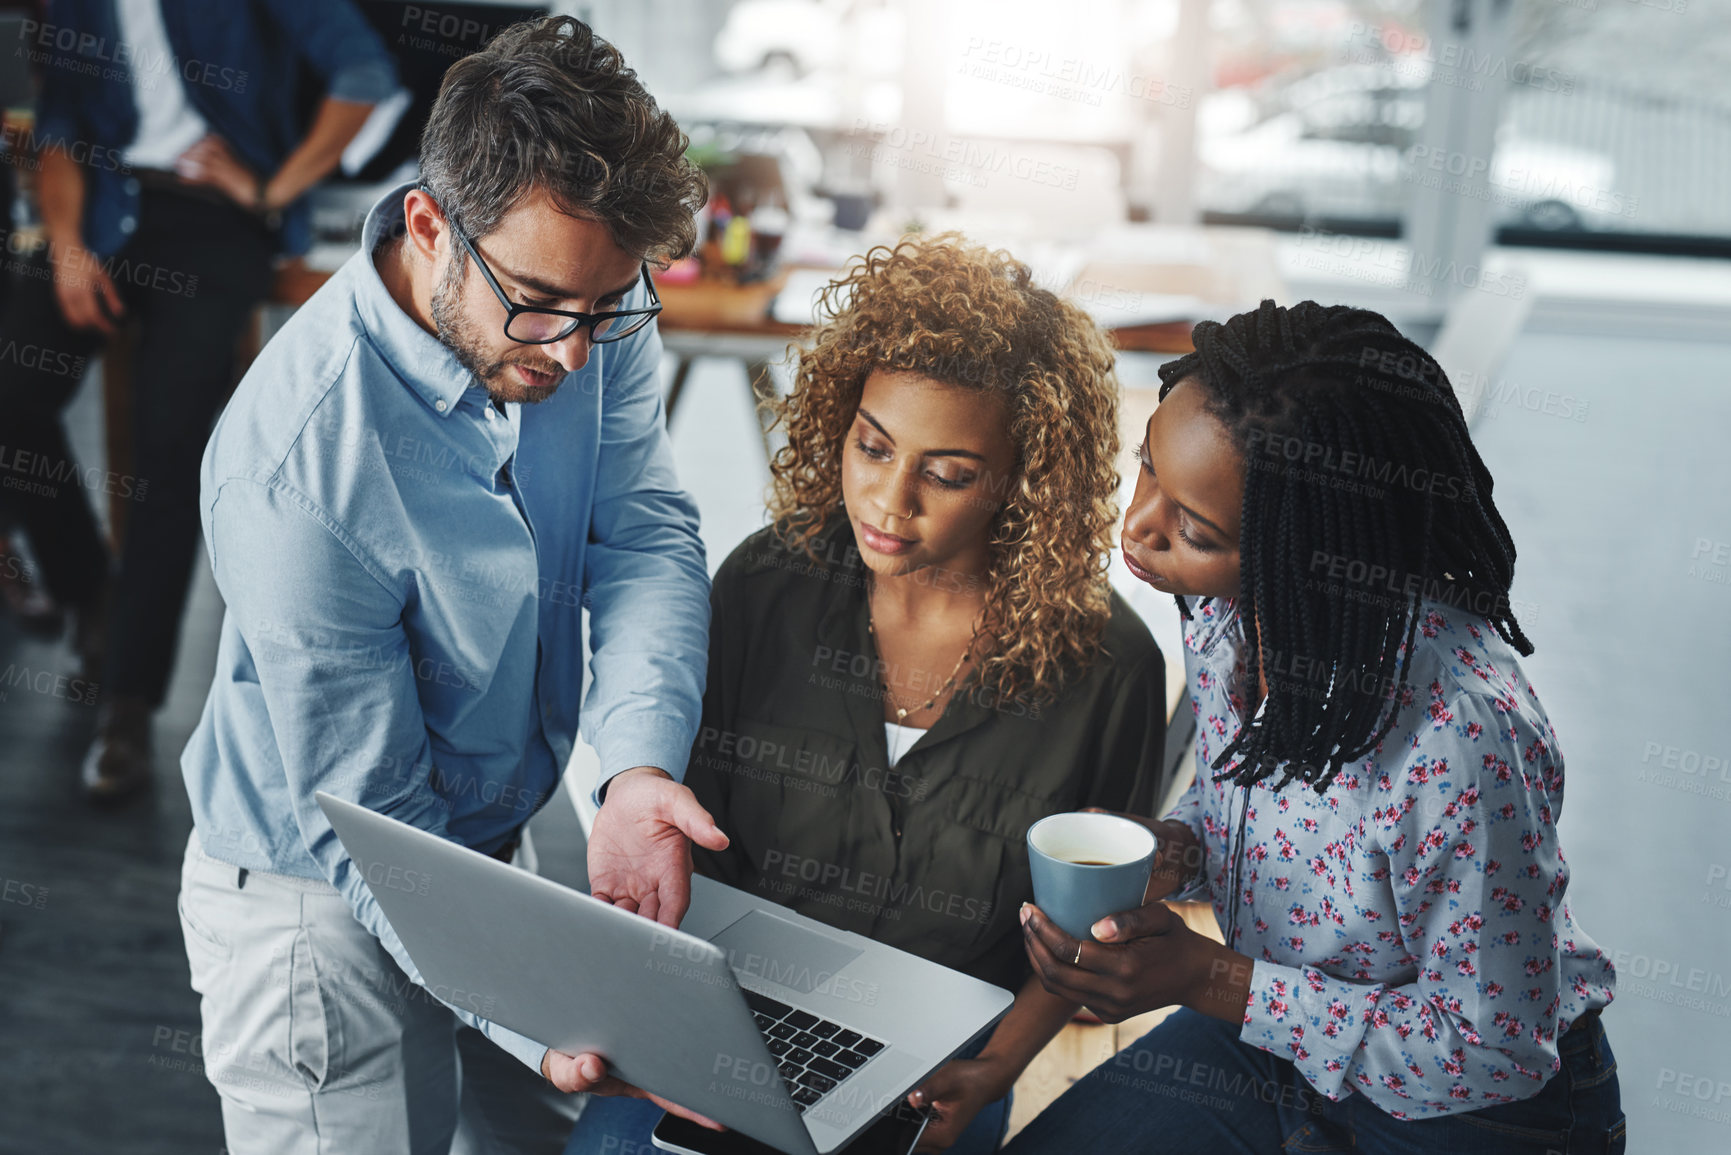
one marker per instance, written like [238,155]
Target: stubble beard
[462,336]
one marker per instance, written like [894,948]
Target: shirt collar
[423,362]
[1212,621]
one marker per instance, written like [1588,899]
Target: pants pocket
[1320,1135]
[309,1028]
[240,974]
[1541,1122]
[1541,1138]
[207,952]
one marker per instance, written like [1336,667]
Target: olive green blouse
[928,856]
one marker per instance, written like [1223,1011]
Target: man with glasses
[528,325]
[422,483]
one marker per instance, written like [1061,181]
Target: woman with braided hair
[1377,790]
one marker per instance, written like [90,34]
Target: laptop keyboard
[815,1055]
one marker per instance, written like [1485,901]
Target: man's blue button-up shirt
[405,567]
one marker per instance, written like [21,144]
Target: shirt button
[132,185]
[128,224]
[440,405]
[490,411]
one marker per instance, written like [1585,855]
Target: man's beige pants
[320,1045]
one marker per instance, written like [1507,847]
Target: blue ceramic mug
[1087,866]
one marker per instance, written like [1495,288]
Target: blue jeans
[617,1126]
[1149,1098]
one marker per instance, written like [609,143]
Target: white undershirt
[900,739]
[168,125]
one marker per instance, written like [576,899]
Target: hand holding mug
[1145,959]
[1178,860]
[1140,955]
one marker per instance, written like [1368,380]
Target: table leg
[762,388]
[681,371]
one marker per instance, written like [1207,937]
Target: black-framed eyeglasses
[528,325]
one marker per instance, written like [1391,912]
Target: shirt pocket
[984,849]
[787,789]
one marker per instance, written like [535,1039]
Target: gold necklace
[901,714]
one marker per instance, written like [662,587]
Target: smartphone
[895,1133]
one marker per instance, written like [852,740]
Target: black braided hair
[1363,496]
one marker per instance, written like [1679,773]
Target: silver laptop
[772,1024]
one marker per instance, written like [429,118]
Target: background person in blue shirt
[170,154]
[449,453]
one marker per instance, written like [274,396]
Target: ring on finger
[1077,961]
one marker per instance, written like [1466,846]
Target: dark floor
[98,1026]
[97,1023]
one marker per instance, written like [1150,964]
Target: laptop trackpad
[763,946]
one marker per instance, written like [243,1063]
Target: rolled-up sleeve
[57,99]
[334,667]
[339,44]
[646,586]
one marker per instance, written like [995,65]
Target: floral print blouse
[1411,935]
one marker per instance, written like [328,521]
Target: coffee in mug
[1087,866]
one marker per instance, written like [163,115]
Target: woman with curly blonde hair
[1014,355]
[920,656]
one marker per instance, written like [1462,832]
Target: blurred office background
[1536,189]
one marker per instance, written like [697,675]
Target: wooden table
[1228,268]
[715,317]
[718,318]
[716,309]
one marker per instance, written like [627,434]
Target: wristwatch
[272,217]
